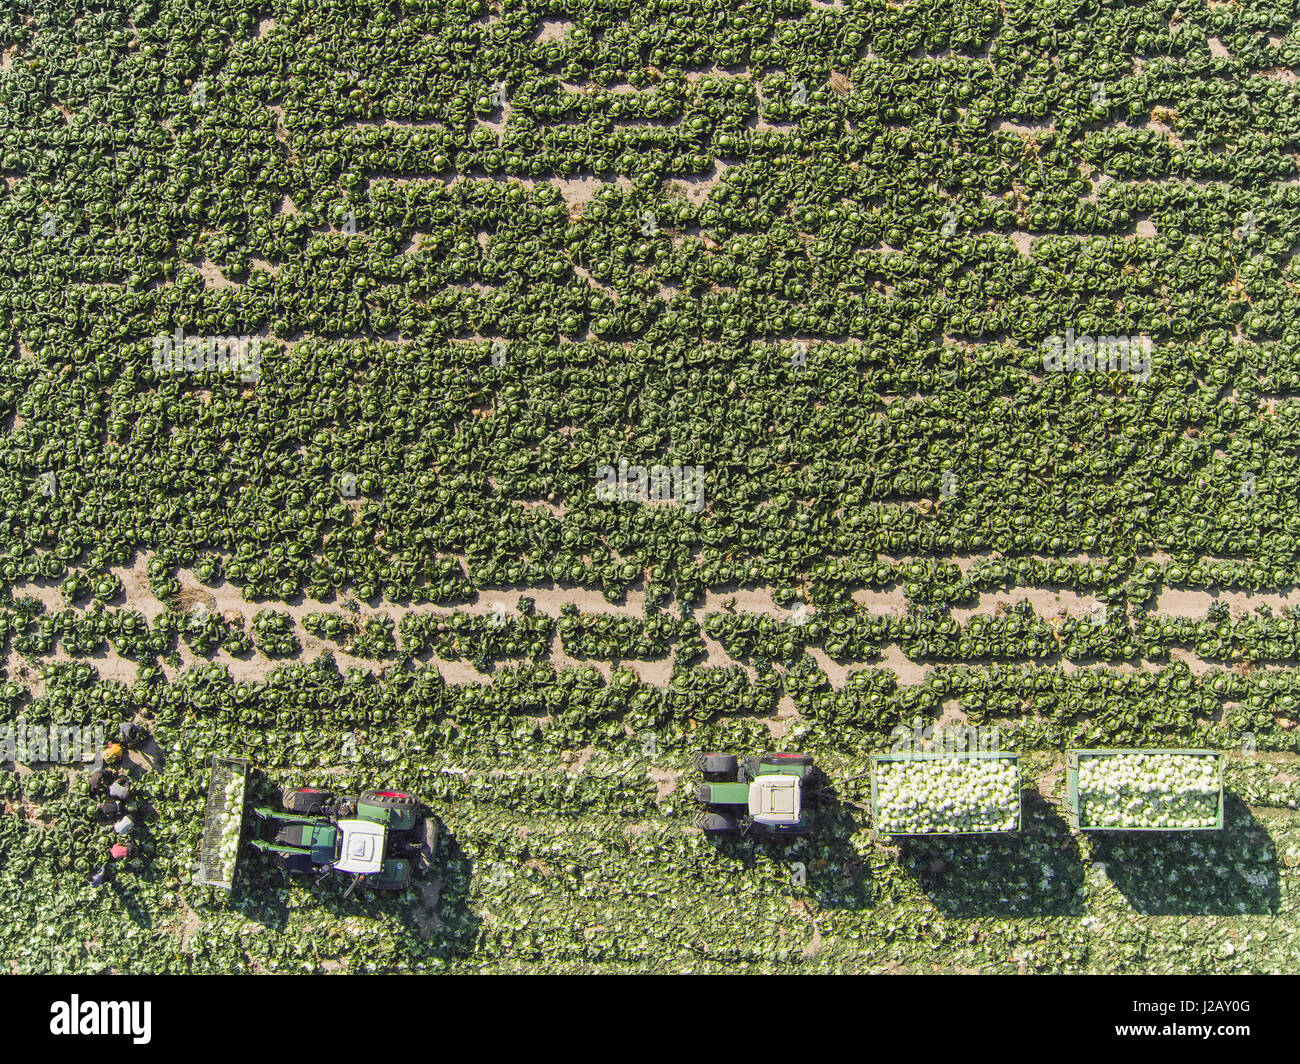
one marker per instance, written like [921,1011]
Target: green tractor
[376,838]
[769,794]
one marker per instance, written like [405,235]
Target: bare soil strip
[550,601]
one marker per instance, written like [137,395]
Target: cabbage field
[506,400]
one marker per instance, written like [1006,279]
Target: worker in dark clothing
[106,779]
[109,810]
[101,779]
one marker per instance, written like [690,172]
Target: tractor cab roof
[775,799]
[361,847]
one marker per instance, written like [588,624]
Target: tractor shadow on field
[443,916]
[1195,873]
[824,868]
[1035,872]
[262,894]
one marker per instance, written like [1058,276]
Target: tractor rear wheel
[308,801]
[391,799]
[792,760]
[717,768]
[715,823]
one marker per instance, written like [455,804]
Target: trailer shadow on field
[1035,872]
[1195,873]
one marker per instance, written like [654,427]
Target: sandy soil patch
[579,760]
[653,673]
[891,602]
[577,192]
[779,727]
[213,277]
[745,600]
[1046,602]
[1029,131]
[909,672]
[665,781]
[951,714]
[836,673]
[554,29]
[459,672]
[1188,603]
[1197,666]
[698,188]
[551,600]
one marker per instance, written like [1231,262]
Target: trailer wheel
[718,768]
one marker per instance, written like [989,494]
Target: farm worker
[99,779]
[109,810]
[122,850]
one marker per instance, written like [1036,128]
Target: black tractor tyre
[793,760]
[715,823]
[718,768]
[391,799]
[306,801]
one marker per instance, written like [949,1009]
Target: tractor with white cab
[769,794]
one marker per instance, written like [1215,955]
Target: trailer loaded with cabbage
[1145,790]
[223,823]
[945,794]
